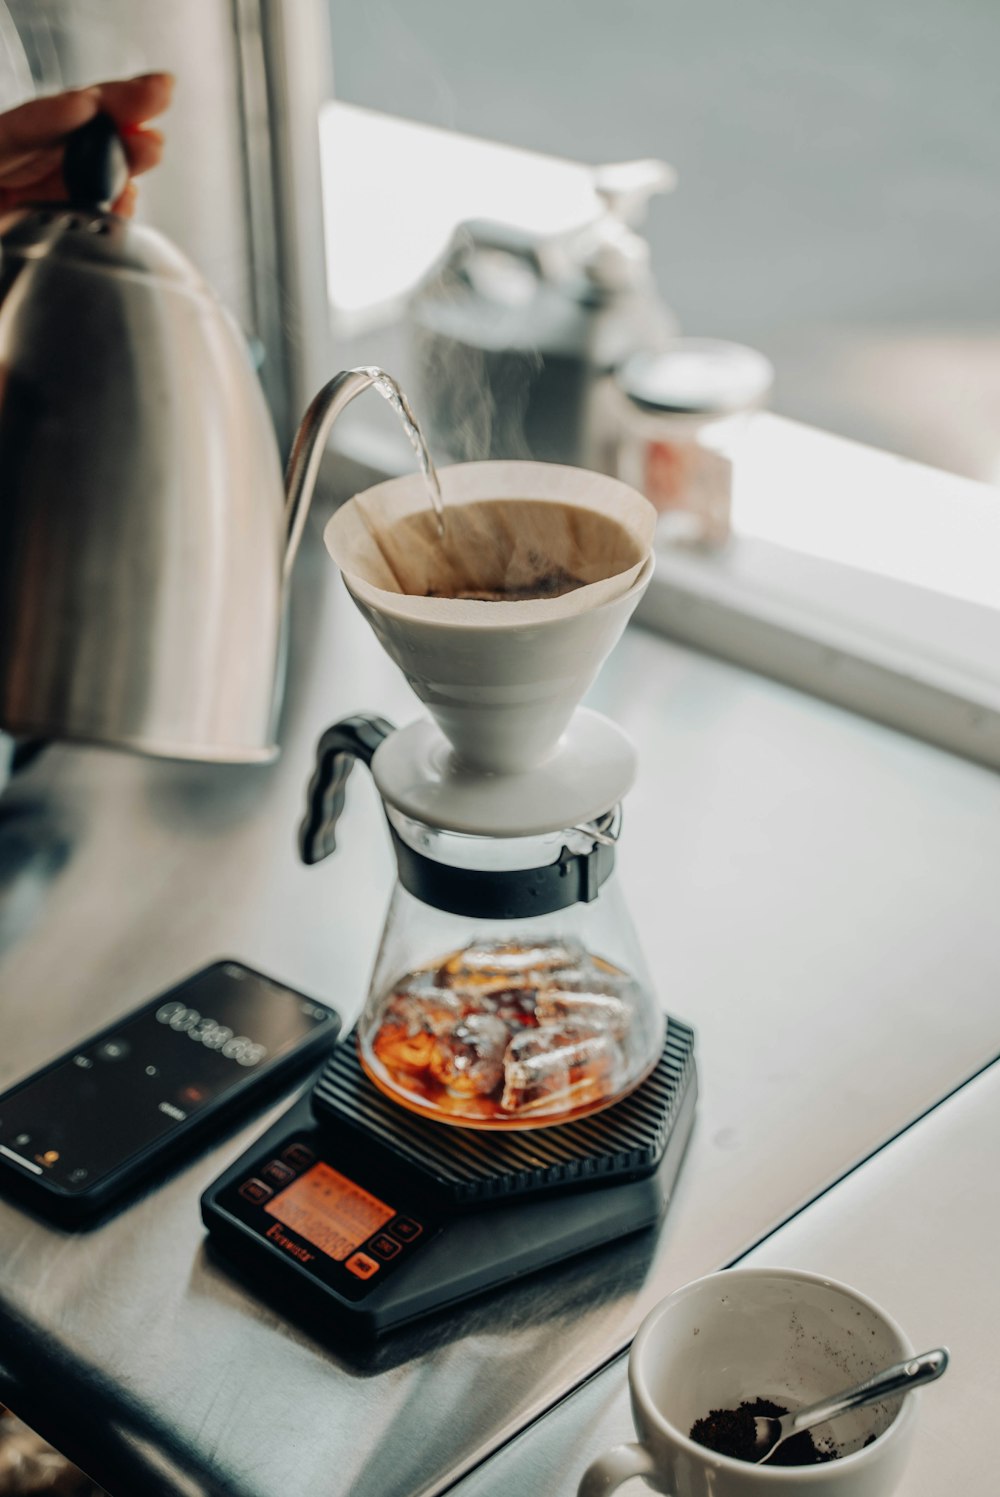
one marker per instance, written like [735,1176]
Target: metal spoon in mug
[900,1378]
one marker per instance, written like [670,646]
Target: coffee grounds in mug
[731,1432]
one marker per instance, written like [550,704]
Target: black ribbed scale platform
[468,1167]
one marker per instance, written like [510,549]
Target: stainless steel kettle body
[141,526]
[145,537]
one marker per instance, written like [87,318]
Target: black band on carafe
[479,894]
[511,893]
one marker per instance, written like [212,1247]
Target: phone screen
[111,1099]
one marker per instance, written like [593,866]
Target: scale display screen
[330,1211]
[343,1234]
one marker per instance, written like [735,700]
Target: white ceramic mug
[759,1333]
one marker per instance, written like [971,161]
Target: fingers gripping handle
[354,738]
[606,1474]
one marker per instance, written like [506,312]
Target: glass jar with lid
[676,416]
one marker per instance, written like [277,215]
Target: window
[836,203]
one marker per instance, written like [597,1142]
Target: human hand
[33,135]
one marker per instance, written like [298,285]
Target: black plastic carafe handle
[474,893]
[352,739]
[95,166]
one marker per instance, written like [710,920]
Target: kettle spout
[308,448]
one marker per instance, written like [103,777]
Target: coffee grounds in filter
[504,550]
[551,584]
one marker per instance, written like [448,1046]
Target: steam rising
[475,376]
[478,405]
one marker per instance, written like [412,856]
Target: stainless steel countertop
[931,1266]
[816,894]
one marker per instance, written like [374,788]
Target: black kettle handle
[351,739]
[95,166]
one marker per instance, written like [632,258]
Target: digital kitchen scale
[381,1217]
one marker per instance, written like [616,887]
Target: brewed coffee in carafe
[509,991]
[517,1020]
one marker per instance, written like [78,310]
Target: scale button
[255,1191]
[406,1229]
[384,1245]
[278,1172]
[298,1156]
[361,1266]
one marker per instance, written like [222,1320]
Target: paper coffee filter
[508,525]
[501,679]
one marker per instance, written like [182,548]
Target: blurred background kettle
[512,332]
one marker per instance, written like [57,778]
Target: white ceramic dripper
[502,679]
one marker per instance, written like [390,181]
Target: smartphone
[110,1113]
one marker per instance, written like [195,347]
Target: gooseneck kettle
[145,532]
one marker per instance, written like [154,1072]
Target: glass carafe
[508,991]
[508,1019]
